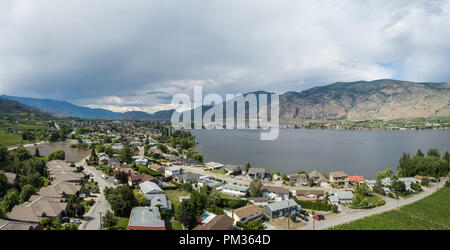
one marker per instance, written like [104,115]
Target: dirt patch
[282,223]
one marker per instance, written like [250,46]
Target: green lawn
[174,196]
[122,224]
[9,139]
[220,171]
[432,212]
[174,225]
[229,197]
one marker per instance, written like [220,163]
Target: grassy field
[174,196]
[122,224]
[174,225]
[220,171]
[432,212]
[9,139]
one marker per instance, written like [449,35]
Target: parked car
[304,212]
[104,176]
[316,217]
[82,196]
[75,221]
[321,217]
[65,219]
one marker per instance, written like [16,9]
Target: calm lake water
[356,152]
[72,154]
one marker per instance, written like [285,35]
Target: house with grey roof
[340,197]
[281,208]
[235,190]
[148,187]
[145,218]
[159,200]
[256,173]
[275,193]
[232,168]
[187,178]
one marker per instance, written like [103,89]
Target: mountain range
[63,108]
[380,99]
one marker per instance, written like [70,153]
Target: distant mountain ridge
[10,107]
[380,99]
[63,108]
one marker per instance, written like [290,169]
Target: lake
[72,154]
[356,152]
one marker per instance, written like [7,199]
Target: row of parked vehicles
[304,216]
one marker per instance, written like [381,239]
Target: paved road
[92,218]
[349,215]
[226,178]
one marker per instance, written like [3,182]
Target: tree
[3,153]
[109,220]
[425,182]
[125,154]
[434,152]
[399,187]
[36,152]
[3,183]
[362,189]
[247,166]
[58,154]
[10,200]
[121,176]
[27,191]
[255,188]
[79,210]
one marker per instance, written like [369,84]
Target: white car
[104,176]
[75,221]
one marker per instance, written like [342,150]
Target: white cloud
[110,53]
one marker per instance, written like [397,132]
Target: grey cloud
[142,52]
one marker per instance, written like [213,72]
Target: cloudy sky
[135,55]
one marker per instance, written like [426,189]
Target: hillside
[62,108]
[431,213]
[8,107]
[381,99]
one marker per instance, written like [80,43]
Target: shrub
[58,154]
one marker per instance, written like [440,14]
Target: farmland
[432,212]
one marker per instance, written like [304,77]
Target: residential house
[214,165]
[356,179]
[310,194]
[281,208]
[155,195]
[36,208]
[138,179]
[260,201]
[341,197]
[172,171]
[301,179]
[219,222]
[231,168]
[141,161]
[314,176]
[256,173]
[275,193]
[145,218]
[338,178]
[248,213]
[17,225]
[157,168]
[235,190]
[187,178]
